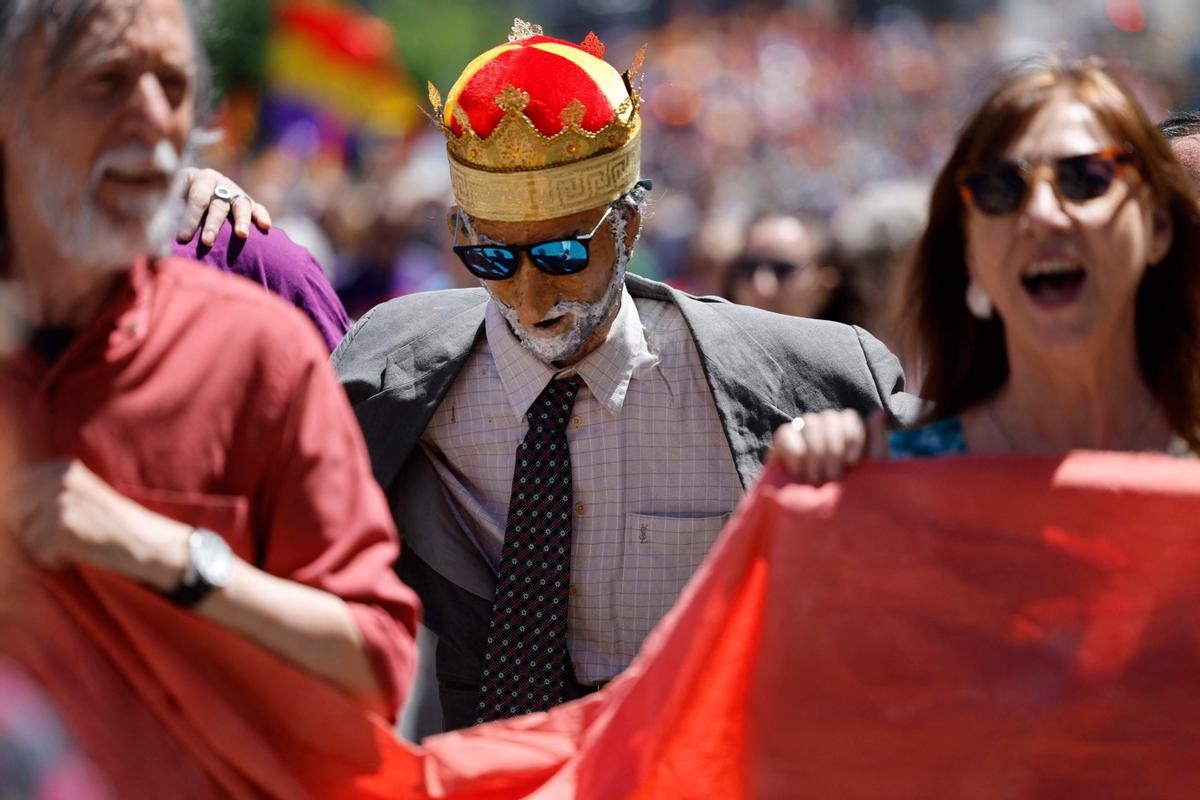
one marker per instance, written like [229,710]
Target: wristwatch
[210,563]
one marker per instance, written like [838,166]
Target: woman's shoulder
[940,438]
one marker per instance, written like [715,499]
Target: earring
[978,302]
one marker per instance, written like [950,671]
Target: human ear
[1161,236]
[451,217]
[632,228]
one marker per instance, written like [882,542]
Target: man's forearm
[309,628]
[312,629]
[65,513]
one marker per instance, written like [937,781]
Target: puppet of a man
[562,445]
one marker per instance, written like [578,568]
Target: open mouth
[1053,284]
[137,178]
[549,323]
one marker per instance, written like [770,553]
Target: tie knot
[553,406]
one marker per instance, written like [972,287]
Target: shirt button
[574,591]
[576,421]
[580,508]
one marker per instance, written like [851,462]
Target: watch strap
[188,593]
[200,578]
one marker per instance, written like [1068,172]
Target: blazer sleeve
[888,377]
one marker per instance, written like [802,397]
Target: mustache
[162,158]
[561,308]
[565,307]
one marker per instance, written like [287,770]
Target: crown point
[435,99]
[523,30]
[512,99]
[572,115]
[638,60]
[464,121]
[593,45]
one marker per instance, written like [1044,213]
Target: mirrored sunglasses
[1000,188]
[498,262]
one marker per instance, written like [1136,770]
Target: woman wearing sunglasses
[1054,298]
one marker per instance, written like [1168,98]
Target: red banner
[984,628]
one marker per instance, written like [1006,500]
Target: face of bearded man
[108,236]
[92,148]
[559,318]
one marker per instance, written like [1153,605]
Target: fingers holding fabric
[818,447]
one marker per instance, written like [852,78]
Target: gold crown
[516,144]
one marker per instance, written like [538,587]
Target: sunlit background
[837,110]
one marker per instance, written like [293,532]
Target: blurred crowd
[800,112]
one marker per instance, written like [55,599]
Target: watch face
[211,557]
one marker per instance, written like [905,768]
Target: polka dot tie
[525,660]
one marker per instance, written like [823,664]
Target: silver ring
[798,423]
[223,193]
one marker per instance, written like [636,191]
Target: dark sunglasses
[498,262]
[1000,188]
[746,267]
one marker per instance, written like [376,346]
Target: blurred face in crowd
[778,270]
[1064,274]
[95,149]
[1187,150]
[559,318]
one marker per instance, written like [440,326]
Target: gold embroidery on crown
[523,30]
[512,99]
[573,114]
[517,145]
[545,193]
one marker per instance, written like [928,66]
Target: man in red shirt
[191,445]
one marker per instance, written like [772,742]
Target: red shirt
[207,400]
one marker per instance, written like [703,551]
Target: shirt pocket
[228,515]
[660,555]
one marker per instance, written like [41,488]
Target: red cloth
[207,400]
[962,627]
[984,628]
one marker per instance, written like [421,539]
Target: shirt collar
[131,311]
[607,370]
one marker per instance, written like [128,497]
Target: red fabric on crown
[551,81]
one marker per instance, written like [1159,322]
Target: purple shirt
[284,267]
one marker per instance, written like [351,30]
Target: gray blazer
[400,359]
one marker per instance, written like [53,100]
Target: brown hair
[963,359]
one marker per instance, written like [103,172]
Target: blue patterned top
[941,438]
[945,438]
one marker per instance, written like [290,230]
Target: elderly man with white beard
[195,461]
[562,445]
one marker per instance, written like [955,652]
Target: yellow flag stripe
[379,100]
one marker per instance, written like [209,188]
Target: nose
[533,293]
[1044,208]
[765,282]
[150,111]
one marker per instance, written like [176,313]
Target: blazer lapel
[744,378]
[415,379]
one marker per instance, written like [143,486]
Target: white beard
[89,235]
[584,318]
